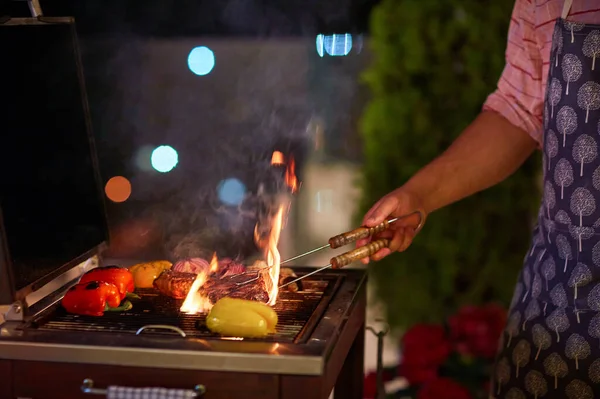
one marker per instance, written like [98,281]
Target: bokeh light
[324,201]
[334,45]
[142,158]
[118,189]
[164,158]
[201,60]
[231,191]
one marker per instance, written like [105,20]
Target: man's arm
[487,152]
[491,148]
[504,135]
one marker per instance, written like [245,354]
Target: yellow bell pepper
[241,318]
[144,274]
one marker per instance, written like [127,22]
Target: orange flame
[273,257]
[214,263]
[277,158]
[290,175]
[290,171]
[194,302]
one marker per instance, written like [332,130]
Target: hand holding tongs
[357,234]
[348,238]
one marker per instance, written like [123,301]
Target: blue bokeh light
[201,60]
[231,191]
[334,45]
[164,158]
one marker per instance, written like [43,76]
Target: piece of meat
[216,288]
[223,283]
[286,275]
[174,284]
[177,285]
[229,267]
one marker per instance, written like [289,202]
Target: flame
[194,302]
[290,171]
[290,175]
[277,158]
[214,263]
[273,257]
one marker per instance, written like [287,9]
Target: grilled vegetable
[121,277]
[192,265]
[144,274]
[241,318]
[92,298]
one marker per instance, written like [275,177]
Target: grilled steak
[174,284]
[218,285]
[216,288]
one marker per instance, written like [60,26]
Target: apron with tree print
[551,344]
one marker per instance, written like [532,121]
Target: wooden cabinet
[6,379]
[43,380]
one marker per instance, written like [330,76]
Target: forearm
[487,152]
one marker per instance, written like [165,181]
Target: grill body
[319,345]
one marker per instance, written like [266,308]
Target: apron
[551,343]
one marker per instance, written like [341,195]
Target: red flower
[370,383]
[426,345]
[425,348]
[443,388]
[370,386]
[418,374]
[475,331]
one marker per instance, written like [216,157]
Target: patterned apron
[551,344]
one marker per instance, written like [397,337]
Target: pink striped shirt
[520,93]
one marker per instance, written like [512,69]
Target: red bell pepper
[91,298]
[121,277]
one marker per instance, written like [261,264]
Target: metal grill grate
[297,312]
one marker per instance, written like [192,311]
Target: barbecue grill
[318,345]
[45,247]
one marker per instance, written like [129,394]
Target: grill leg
[349,384]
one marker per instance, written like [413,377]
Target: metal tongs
[345,239]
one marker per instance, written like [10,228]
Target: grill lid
[52,214]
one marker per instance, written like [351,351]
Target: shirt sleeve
[519,96]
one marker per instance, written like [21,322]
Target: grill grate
[296,312]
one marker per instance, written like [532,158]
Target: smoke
[224,125]
[198,225]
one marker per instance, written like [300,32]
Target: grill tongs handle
[363,232]
[337,262]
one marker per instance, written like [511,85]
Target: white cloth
[117,392]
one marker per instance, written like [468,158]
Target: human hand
[398,203]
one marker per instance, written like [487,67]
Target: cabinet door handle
[88,387]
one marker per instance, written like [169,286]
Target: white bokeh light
[164,158]
[201,60]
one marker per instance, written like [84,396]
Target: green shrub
[435,62]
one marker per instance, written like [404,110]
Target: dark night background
[226,18]
[268,90]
